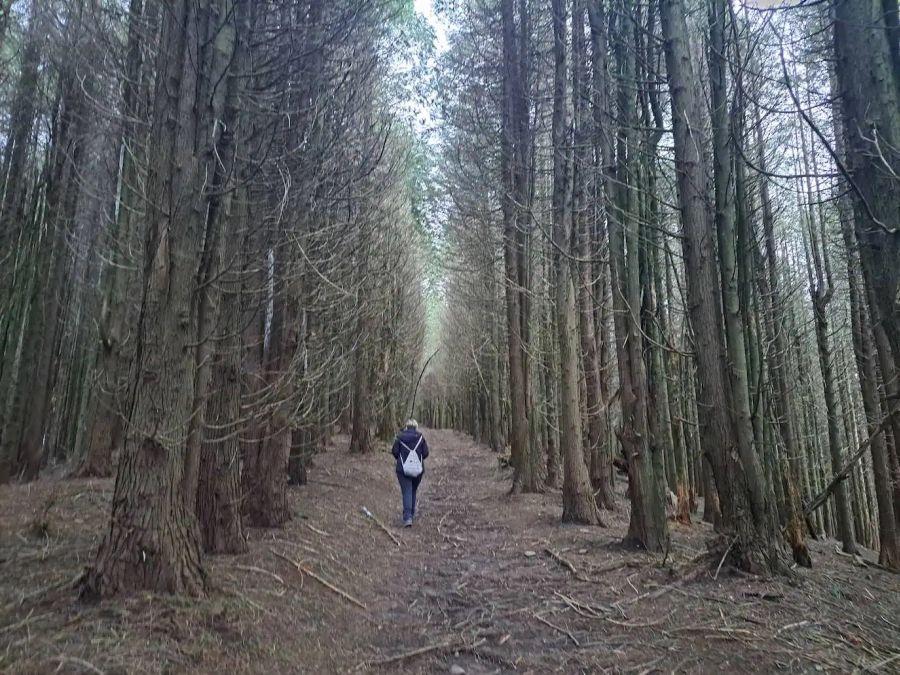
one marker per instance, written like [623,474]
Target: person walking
[410,451]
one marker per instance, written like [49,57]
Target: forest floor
[484,582]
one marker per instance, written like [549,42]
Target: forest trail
[473,585]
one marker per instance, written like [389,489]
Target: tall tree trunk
[266,502]
[595,408]
[219,476]
[647,525]
[105,419]
[864,352]
[212,480]
[13,308]
[776,335]
[154,540]
[578,501]
[601,467]
[725,229]
[44,326]
[525,457]
[865,37]
[821,290]
[752,545]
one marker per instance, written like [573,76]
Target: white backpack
[412,465]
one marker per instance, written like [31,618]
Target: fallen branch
[447,644]
[765,595]
[327,584]
[260,570]
[881,664]
[24,622]
[41,591]
[841,475]
[633,564]
[857,559]
[410,654]
[373,517]
[87,665]
[317,530]
[639,624]
[585,610]
[562,561]
[558,628]
[724,556]
[329,484]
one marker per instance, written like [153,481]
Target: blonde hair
[411,424]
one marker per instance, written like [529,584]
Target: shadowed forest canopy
[648,244]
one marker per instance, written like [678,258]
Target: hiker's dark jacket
[409,437]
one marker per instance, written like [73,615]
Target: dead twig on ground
[41,591]
[328,483]
[440,646]
[649,594]
[878,666]
[649,667]
[87,665]
[384,529]
[724,555]
[565,563]
[559,629]
[639,624]
[259,570]
[24,622]
[764,595]
[633,564]
[317,530]
[327,584]
[408,655]
[585,610]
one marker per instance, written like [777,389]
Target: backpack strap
[409,449]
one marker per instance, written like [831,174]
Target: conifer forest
[626,271]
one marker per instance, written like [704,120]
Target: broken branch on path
[317,530]
[640,624]
[585,610]
[562,561]
[260,570]
[327,584]
[842,475]
[559,629]
[374,518]
[447,644]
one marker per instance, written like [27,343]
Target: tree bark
[869,91]
[647,526]
[753,546]
[776,335]
[105,418]
[578,500]
[514,137]
[154,540]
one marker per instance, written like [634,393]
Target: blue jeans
[408,487]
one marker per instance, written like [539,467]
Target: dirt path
[473,585]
